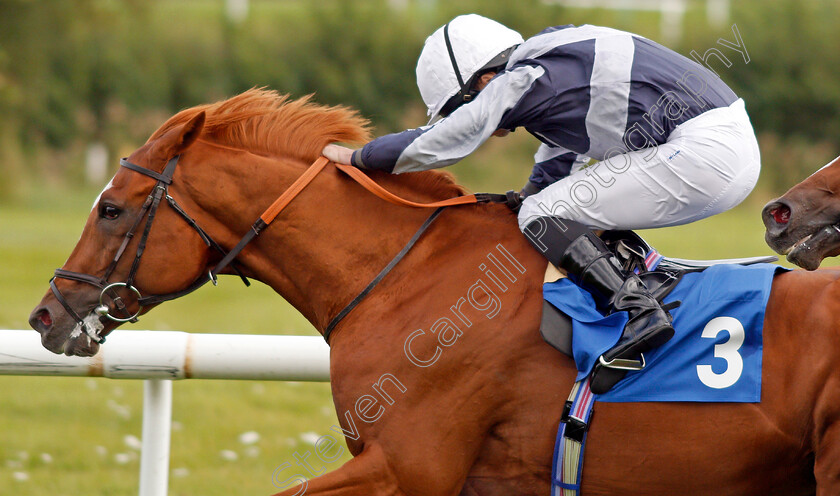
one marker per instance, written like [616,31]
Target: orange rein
[357,175]
[369,184]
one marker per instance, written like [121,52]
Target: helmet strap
[452,56]
[465,94]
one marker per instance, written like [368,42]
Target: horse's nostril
[45,318]
[781,214]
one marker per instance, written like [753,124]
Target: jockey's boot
[587,259]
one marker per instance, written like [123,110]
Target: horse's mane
[265,121]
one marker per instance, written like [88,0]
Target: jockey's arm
[450,139]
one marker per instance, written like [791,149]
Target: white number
[728,351]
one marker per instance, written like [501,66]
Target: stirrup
[623,363]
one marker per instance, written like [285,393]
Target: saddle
[659,273]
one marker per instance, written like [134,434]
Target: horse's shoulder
[831,278]
[820,287]
[816,278]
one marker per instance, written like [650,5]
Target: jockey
[673,145]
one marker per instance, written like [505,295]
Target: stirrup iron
[623,363]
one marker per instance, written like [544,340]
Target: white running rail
[159,357]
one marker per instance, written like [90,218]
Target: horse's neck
[340,242]
[333,239]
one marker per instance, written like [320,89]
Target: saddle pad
[715,355]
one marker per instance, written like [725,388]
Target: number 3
[728,351]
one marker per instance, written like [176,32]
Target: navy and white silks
[673,143]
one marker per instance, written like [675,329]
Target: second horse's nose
[776,215]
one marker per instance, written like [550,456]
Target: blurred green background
[85,82]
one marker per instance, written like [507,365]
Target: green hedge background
[110,71]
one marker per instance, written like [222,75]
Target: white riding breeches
[708,165]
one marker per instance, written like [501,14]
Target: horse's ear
[189,133]
[176,140]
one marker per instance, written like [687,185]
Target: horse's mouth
[75,343]
[79,342]
[81,346]
[810,251]
[796,245]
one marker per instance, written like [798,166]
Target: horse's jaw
[805,230]
[810,251]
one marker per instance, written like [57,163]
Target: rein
[160,191]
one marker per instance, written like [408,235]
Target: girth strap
[567,465]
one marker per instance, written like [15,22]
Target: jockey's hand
[338,154]
[528,190]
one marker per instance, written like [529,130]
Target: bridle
[160,191]
[149,209]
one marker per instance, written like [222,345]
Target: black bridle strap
[152,204]
[271,213]
[384,272]
[210,242]
[65,304]
[158,193]
[127,239]
[164,180]
[258,226]
[192,223]
[165,177]
[150,300]
[77,276]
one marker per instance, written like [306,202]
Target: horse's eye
[109,212]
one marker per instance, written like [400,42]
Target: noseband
[160,191]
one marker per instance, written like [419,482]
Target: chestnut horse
[804,223]
[441,381]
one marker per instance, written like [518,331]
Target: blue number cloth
[715,355]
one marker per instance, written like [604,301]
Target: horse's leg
[367,474]
[827,463]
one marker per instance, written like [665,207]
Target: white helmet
[454,55]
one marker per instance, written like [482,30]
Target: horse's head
[804,223]
[132,240]
[178,204]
